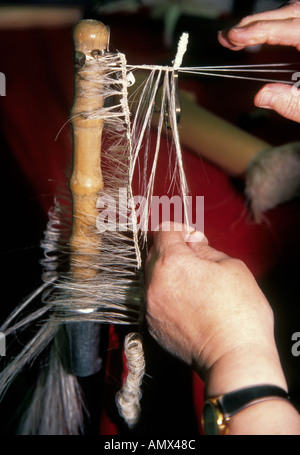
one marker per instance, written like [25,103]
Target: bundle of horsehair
[92,274]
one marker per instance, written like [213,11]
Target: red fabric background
[38,65]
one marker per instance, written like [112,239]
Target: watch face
[212,418]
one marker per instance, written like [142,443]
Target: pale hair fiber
[114,294]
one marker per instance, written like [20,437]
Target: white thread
[218,71]
[113,294]
[181,50]
[117,277]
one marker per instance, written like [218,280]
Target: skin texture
[195,308]
[205,307]
[276,27]
[207,275]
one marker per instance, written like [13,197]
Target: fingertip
[171,233]
[196,237]
[230,38]
[221,35]
[277,96]
[166,234]
[223,38]
[264,98]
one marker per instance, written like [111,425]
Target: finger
[206,252]
[186,241]
[172,237]
[286,11]
[283,99]
[168,241]
[280,32]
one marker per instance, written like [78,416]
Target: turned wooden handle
[90,40]
[214,138]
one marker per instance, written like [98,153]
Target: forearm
[252,366]
[207,309]
[272,417]
[247,367]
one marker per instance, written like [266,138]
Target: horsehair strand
[113,294]
[68,412]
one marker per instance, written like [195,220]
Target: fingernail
[237,27]
[195,236]
[226,30]
[265,99]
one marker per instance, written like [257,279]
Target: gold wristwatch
[218,410]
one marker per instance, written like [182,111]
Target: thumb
[283,99]
[173,238]
[204,251]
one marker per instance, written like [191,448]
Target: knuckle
[294,21]
[164,272]
[170,264]
[292,105]
[245,20]
[237,265]
[152,303]
[294,7]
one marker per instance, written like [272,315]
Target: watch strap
[233,402]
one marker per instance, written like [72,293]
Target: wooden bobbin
[85,340]
[90,40]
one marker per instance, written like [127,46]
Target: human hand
[207,309]
[276,27]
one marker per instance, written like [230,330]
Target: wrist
[219,412]
[243,367]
